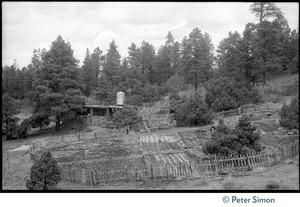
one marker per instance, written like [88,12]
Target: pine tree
[57,90]
[112,62]
[44,174]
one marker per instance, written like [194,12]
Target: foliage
[174,96]
[126,116]
[39,120]
[289,114]
[278,87]
[176,83]
[197,57]
[90,69]
[167,60]
[44,174]
[273,185]
[265,10]
[57,89]
[112,64]
[240,140]
[225,94]
[192,111]
[9,121]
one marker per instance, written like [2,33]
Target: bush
[44,173]
[273,185]
[126,116]
[240,140]
[225,94]
[289,114]
[135,100]
[192,111]
[174,96]
[176,83]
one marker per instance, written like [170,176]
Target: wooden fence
[213,166]
[80,136]
[247,108]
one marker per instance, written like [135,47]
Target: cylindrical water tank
[120,98]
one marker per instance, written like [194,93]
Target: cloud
[30,25]
[181,24]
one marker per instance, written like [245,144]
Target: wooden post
[92,177]
[167,174]
[248,162]
[216,164]
[70,179]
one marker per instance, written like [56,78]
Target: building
[98,115]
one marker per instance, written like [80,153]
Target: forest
[56,85]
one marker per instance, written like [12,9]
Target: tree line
[58,86]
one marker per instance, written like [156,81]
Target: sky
[32,25]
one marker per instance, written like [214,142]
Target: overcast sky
[31,25]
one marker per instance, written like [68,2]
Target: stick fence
[95,176]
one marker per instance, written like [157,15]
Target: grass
[275,90]
[230,185]
[273,185]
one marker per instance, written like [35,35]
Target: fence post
[216,163]
[247,162]
[92,177]
[282,152]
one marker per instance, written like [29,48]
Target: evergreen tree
[238,141]
[112,62]
[197,57]
[44,174]
[289,114]
[9,121]
[147,57]
[57,91]
[90,69]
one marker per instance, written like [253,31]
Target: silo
[120,98]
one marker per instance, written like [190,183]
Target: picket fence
[215,166]
[250,108]
[80,136]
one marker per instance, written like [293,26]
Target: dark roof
[102,107]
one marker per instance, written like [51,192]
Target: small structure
[99,115]
[120,98]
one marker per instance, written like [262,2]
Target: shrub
[289,114]
[44,173]
[240,140]
[192,111]
[225,94]
[176,82]
[174,96]
[273,185]
[126,116]
[135,100]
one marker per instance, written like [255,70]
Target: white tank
[120,98]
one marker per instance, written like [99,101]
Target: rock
[290,133]
[280,128]
[263,132]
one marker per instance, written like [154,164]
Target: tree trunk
[196,86]
[264,78]
[57,122]
[261,13]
